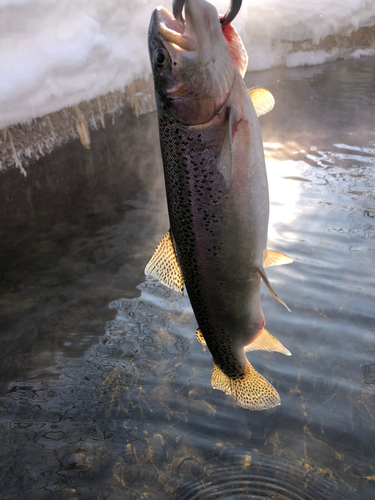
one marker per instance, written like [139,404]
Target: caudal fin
[252,392]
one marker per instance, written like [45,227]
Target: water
[105,392]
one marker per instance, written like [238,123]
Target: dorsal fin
[200,337]
[163,265]
[237,48]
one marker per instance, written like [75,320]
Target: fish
[216,188]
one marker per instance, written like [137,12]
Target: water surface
[105,392]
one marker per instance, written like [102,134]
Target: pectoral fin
[267,342]
[263,276]
[225,163]
[273,258]
[252,392]
[164,266]
[262,99]
[200,337]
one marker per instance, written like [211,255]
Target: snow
[57,53]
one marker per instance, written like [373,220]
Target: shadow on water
[115,402]
[75,234]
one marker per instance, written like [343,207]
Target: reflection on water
[115,402]
[74,236]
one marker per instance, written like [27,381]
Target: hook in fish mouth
[231,13]
[177,7]
[228,17]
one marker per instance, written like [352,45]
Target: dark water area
[104,390]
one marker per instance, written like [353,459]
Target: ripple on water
[258,477]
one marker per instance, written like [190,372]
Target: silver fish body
[217,193]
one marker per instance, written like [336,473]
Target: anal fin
[263,276]
[163,265]
[274,258]
[267,342]
[252,392]
[200,337]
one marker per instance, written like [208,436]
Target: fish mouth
[190,32]
[191,61]
[165,25]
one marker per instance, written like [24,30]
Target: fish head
[191,60]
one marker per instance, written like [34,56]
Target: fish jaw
[163,24]
[192,66]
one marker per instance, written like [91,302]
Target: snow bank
[268,25]
[57,53]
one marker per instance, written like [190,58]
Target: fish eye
[161,58]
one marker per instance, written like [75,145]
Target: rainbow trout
[217,190]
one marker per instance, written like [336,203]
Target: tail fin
[252,392]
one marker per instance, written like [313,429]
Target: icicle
[16,159]
[93,120]
[107,101]
[140,93]
[82,128]
[113,107]
[51,127]
[100,111]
